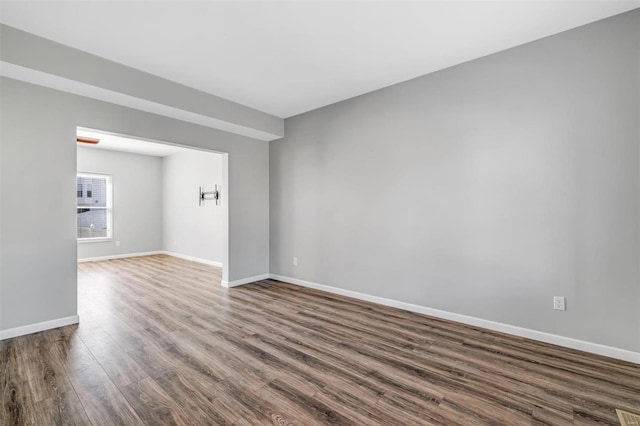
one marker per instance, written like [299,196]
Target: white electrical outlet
[295,261]
[558,303]
[117,243]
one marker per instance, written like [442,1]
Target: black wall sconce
[208,195]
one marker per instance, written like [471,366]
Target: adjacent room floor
[161,342]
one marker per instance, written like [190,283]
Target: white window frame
[108,208]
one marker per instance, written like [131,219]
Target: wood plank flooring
[160,342]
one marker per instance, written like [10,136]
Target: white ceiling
[121,143]
[286,58]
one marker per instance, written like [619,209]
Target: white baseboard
[248,280]
[554,339]
[119,256]
[151,253]
[192,258]
[39,326]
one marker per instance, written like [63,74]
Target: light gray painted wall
[137,201]
[484,189]
[38,132]
[190,229]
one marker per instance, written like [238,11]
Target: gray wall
[137,201]
[37,133]
[188,228]
[484,189]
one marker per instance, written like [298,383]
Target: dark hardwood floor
[160,342]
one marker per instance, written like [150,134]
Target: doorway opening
[139,197]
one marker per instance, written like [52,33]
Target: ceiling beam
[40,61]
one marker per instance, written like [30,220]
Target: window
[94,209]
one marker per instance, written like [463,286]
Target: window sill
[94,240]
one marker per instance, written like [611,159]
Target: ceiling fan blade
[92,141]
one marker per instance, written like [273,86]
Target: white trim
[193,258]
[119,256]
[93,240]
[39,326]
[541,336]
[18,72]
[248,280]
